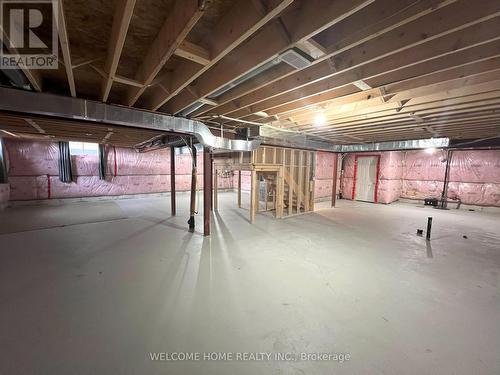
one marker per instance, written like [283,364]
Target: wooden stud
[307,182]
[253,196]
[300,178]
[193,52]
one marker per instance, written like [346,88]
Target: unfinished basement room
[212,187]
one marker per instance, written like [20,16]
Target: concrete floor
[124,279]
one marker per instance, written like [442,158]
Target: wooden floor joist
[374,69]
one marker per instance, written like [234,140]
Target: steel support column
[172,182]
[207,190]
[334,185]
[192,210]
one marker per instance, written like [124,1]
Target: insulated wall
[474,176]
[33,172]
[390,173]
[323,181]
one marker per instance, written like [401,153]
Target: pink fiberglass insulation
[33,172]
[474,176]
[476,166]
[390,173]
[32,158]
[323,184]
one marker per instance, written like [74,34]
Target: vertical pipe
[444,194]
[239,189]
[193,188]
[429,228]
[173,208]
[4,177]
[334,185]
[115,171]
[102,162]
[216,190]
[207,190]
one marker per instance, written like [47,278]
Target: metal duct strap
[102,162]
[3,167]
[65,174]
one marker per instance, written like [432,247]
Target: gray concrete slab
[98,297]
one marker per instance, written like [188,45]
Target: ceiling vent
[296,58]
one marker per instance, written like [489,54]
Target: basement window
[83,148]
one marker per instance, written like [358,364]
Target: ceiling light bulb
[430,150]
[320,119]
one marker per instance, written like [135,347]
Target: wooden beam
[254,202]
[442,80]
[475,43]
[388,14]
[35,125]
[193,52]
[180,20]
[121,20]
[65,49]
[477,25]
[127,81]
[269,41]
[85,62]
[33,76]
[242,20]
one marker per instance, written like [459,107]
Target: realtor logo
[29,34]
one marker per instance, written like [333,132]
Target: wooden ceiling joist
[65,49]
[356,65]
[405,66]
[271,40]
[121,21]
[243,19]
[389,15]
[33,76]
[179,22]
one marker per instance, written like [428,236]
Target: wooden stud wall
[295,185]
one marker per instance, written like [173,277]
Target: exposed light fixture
[261,114]
[430,150]
[320,118]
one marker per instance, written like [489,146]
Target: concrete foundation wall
[33,172]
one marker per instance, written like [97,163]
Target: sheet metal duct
[274,136]
[398,145]
[85,110]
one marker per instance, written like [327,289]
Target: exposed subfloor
[124,279]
